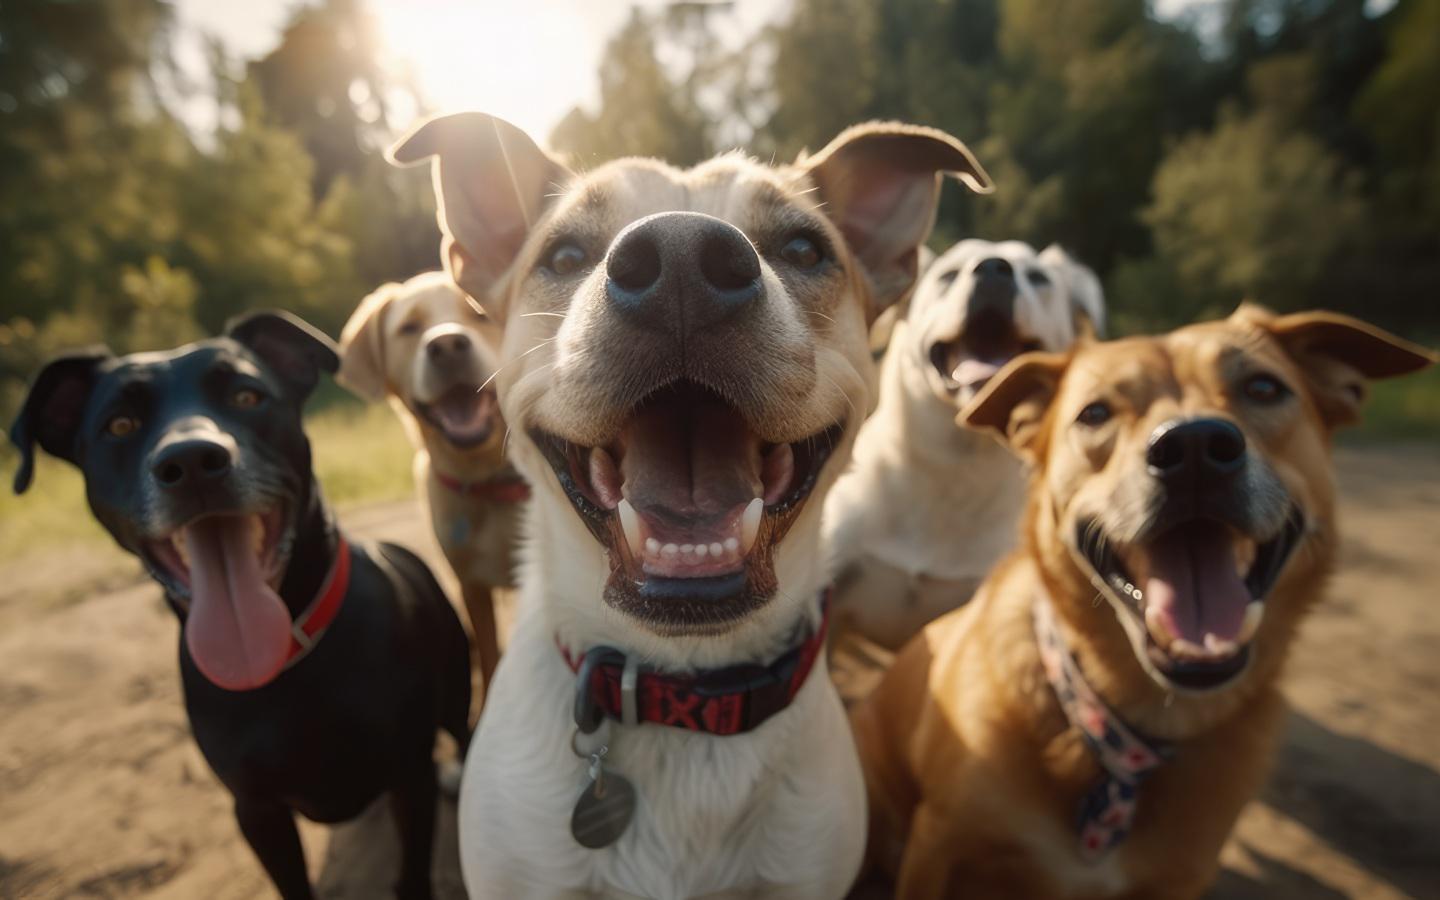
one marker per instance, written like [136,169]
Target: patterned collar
[1107,810]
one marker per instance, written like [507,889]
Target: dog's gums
[1196,588]
[689,503]
[464,414]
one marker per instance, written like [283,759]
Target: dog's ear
[293,348]
[1013,405]
[362,345]
[880,184]
[1087,297]
[491,185]
[1339,355]
[52,411]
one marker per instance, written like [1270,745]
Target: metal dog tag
[605,807]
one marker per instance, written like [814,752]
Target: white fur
[928,507]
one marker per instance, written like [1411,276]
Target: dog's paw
[449,777]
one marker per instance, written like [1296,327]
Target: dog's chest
[713,813]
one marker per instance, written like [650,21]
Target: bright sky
[528,61]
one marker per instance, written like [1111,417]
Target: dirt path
[103,794]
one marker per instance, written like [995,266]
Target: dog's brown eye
[565,259]
[408,328]
[245,398]
[122,426]
[1096,414]
[1265,389]
[801,252]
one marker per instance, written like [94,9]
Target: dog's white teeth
[732,545]
[1155,624]
[652,547]
[687,549]
[1254,613]
[702,550]
[717,549]
[630,522]
[750,524]
[670,551]
[605,478]
[1218,646]
[1182,649]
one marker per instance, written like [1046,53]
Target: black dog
[315,671]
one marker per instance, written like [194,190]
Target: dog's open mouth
[690,504]
[988,341]
[465,414]
[229,568]
[1198,588]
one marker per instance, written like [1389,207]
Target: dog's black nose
[190,462]
[681,272]
[994,267]
[447,345]
[1195,449]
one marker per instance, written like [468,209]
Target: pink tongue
[973,371]
[238,629]
[464,410]
[690,456]
[1194,585]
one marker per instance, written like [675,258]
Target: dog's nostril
[1226,447]
[214,461]
[728,262]
[1208,445]
[635,264]
[1165,453]
[169,474]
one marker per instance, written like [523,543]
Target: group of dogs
[646,398]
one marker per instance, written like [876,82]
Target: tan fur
[382,358]
[972,770]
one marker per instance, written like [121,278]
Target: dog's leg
[414,806]
[480,605]
[269,828]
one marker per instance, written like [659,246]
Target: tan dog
[433,353]
[1186,480]
[685,368]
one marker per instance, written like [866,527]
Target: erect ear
[1339,355]
[491,184]
[293,348]
[1014,403]
[880,185]
[1087,297]
[362,345]
[52,411]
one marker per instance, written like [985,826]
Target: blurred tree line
[1283,150]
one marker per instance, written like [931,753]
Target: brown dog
[1043,742]
[433,353]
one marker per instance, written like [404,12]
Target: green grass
[361,455]
[1403,408]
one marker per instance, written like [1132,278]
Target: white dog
[928,507]
[684,370]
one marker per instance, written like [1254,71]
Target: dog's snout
[681,272]
[1201,448]
[996,268]
[191,462]
[447,345]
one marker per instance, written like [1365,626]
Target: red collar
[306,631]
[506,488]
[724,701]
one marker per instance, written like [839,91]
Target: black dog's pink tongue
[1194,585]
[238,629]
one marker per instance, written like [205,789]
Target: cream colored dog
[929,507]
[433,353]
[684,371]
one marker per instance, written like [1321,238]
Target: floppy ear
[491,185]
[1339,355]
[52,411]
[296,350]
[362,345]
[1087,297]
[880,185]
[1013,405]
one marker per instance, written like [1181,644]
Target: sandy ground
[103,794]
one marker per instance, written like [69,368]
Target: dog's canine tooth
[750,524]
[732,545]
[630,523]
[652,547]
[1254,613]
[1158,631]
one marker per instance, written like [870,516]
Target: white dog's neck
[565,571]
